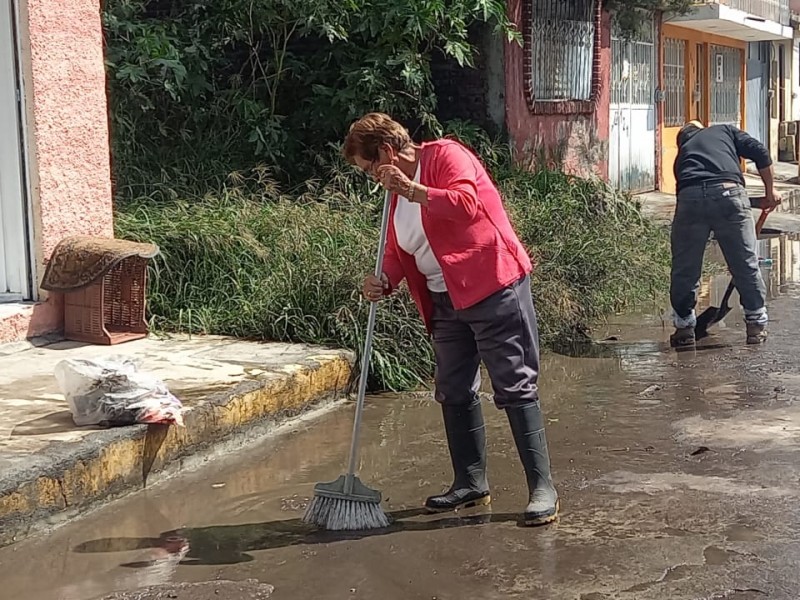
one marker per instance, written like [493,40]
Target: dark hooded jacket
[713,154]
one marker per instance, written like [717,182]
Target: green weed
[253,262]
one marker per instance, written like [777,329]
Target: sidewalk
[51,470]
[784,171]
[786,219]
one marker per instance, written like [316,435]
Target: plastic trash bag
[112,391]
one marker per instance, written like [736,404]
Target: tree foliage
[273,80]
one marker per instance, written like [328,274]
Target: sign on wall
[719,62]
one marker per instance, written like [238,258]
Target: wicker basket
[112,309]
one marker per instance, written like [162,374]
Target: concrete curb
[67,479]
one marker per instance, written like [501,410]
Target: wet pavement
[678,473]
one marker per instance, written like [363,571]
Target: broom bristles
[340,514]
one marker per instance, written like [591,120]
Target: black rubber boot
[528,429]
[683,337]
[756,333]
[466,438]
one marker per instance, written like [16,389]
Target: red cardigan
[468,230]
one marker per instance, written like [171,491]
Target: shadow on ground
[230,544]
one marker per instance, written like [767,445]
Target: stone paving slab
[50,469]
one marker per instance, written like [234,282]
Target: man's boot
[683,337]
[466,438]
[528,429]
[756,333]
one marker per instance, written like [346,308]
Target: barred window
[562,49]
[674,82]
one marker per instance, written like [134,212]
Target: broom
[347,504]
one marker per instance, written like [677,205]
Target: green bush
[251,262]
[200,88]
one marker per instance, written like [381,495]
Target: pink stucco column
[577,143]
[66,125]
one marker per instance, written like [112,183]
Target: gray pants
[723,208]
[502,331]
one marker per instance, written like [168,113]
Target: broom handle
[362,382]
[759,226]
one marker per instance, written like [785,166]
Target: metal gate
[726,86]
[632,144]
[757,91]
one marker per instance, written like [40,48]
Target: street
[678,473]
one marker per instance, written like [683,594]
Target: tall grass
[251,261]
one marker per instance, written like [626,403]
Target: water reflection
[233,544]
[155,566]
[780,266]
[641,347]
[784,252]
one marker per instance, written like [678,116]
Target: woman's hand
[397,182]
[374,288]
[394,180]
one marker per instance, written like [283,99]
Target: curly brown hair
[372,131]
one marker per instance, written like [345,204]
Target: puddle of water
[743,533]
[241,517]
[717,557]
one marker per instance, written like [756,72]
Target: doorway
[703,80]
[676,105]
[757,91]
[14,263]
[632,144]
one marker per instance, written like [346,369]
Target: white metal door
[757,91]
[14,284]
[632,144]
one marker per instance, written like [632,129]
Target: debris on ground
[700,450]
[650,390]
[250,589]
[112,391]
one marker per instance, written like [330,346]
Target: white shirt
[412,239]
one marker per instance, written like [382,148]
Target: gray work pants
[723,208]
[501,330]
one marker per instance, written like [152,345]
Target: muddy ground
[679,475]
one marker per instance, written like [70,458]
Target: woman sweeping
[451,240]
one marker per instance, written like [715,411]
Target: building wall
[784,122]
[66,126]
[795,78]
[775,85]
[576,142]
[783,113]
